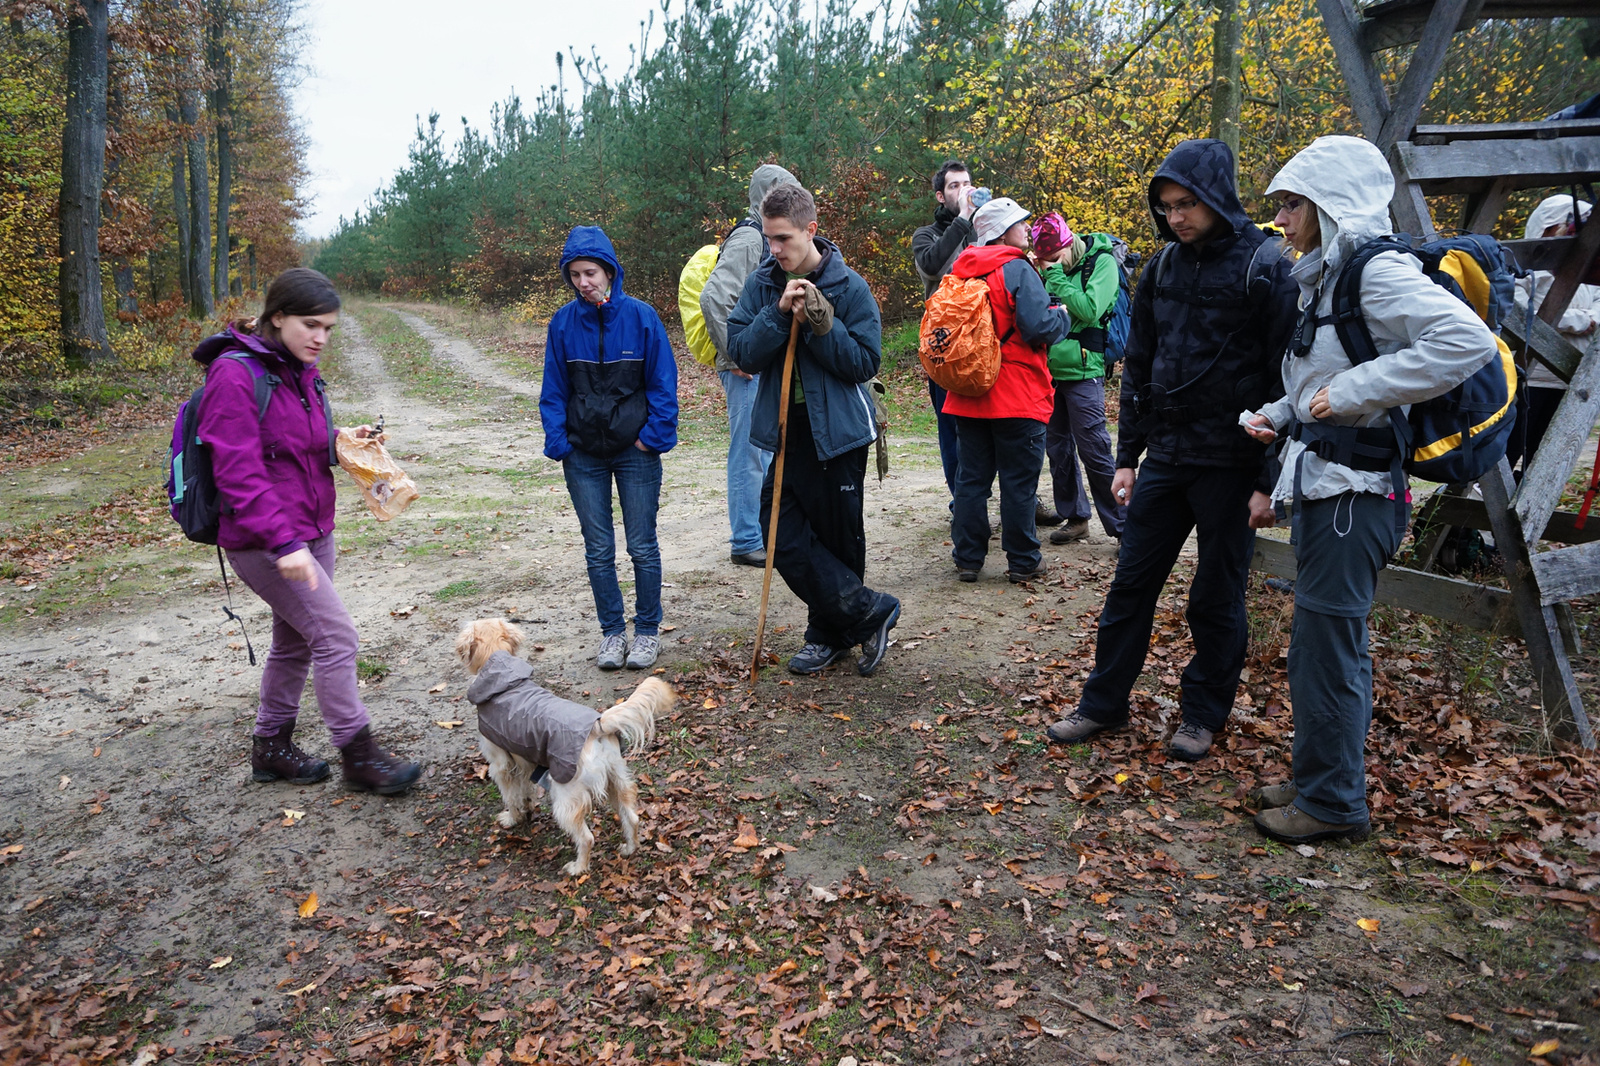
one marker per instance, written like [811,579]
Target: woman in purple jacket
[274,478]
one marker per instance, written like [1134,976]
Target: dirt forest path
[917,815]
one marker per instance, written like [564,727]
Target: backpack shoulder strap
[1348,322]
[265,381]
[327,413]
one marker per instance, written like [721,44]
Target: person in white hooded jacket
[1554,217]
[1334,198]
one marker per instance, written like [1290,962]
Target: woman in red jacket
[273,469]
[1002,432]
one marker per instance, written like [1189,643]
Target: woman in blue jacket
[609,404]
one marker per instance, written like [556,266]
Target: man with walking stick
[820,547]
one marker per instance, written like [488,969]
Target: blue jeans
[949,447]
[1013,450]
[638,477]
[1169,501]
[747,465]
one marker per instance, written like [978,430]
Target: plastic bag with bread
[387,488]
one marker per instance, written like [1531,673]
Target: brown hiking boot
[1075,529]
[1291,825]
[1076,727]
[368,768]
[1190,743]
[278,758]
[1280,795]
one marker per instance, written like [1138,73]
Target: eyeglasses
[1292,204]
[1183,207]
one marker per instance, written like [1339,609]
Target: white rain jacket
[1582,315]
[1428,341]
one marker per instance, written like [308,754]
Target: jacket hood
[1351,184]
[761,182]
[980,259]
[502,671]
[1205,168]
[591,242]
[1553,211]
[232,339]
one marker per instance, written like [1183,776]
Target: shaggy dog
[533,737]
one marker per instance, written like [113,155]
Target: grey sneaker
[1280,795]
[1190,742]
[643,654]
[613,650]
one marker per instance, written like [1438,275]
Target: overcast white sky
[375,66]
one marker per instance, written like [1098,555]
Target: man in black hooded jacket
[1212,317]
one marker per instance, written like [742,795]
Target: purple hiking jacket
[273,477]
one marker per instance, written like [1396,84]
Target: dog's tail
[633,720]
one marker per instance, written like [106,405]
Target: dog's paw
[628,849]
[573,869]
[507,819]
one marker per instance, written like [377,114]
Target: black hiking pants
[821,552]
[1168,502]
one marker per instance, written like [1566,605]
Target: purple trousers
[1077,430]
[310,628]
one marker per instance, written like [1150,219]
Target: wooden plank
[1368,99]
[1399,22]
[1546,253]
[1472,605]
[1483,208]
[1465,166]
[1417,84]
[1575,265]
[1541,631]
[1445,511]
[1545,477]
[1567,573]
[1410,210]
[1493,131]
[1547,344]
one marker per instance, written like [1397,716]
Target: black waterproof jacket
[1210,324]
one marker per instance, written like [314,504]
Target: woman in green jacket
[1084,276]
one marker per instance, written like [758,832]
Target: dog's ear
[467,643]
[511,636]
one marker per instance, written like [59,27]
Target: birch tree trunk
[83,160]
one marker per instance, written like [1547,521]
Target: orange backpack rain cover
[958,346]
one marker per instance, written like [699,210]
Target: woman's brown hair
[297,291]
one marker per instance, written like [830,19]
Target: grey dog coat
[526,720]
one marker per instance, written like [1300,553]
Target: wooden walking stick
[777,491]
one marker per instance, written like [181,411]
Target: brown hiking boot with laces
[368,768]
[279,758]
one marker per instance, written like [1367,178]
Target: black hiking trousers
[821,552]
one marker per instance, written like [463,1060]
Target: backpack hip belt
[1371,449]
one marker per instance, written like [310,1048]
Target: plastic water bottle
[981,196]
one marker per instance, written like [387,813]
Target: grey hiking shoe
[643,654]
[613,650]
[815,658]
[1076,726]
[1190,742]
[1291,825]
[1280,795]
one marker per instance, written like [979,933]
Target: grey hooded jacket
[526,720]
[744,248]
[1428,341]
